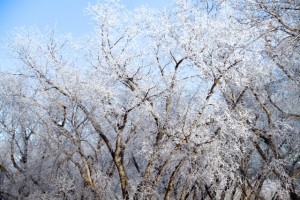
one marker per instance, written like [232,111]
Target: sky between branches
[67,16]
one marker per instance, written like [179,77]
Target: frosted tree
[200,104]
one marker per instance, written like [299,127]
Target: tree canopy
[198,101]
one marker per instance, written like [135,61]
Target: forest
[198,101]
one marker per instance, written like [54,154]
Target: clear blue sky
[68,15]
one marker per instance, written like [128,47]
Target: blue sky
[67,15]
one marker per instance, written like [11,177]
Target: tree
[188,107]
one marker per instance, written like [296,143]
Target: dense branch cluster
[197,102]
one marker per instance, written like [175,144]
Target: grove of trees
[197,101]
